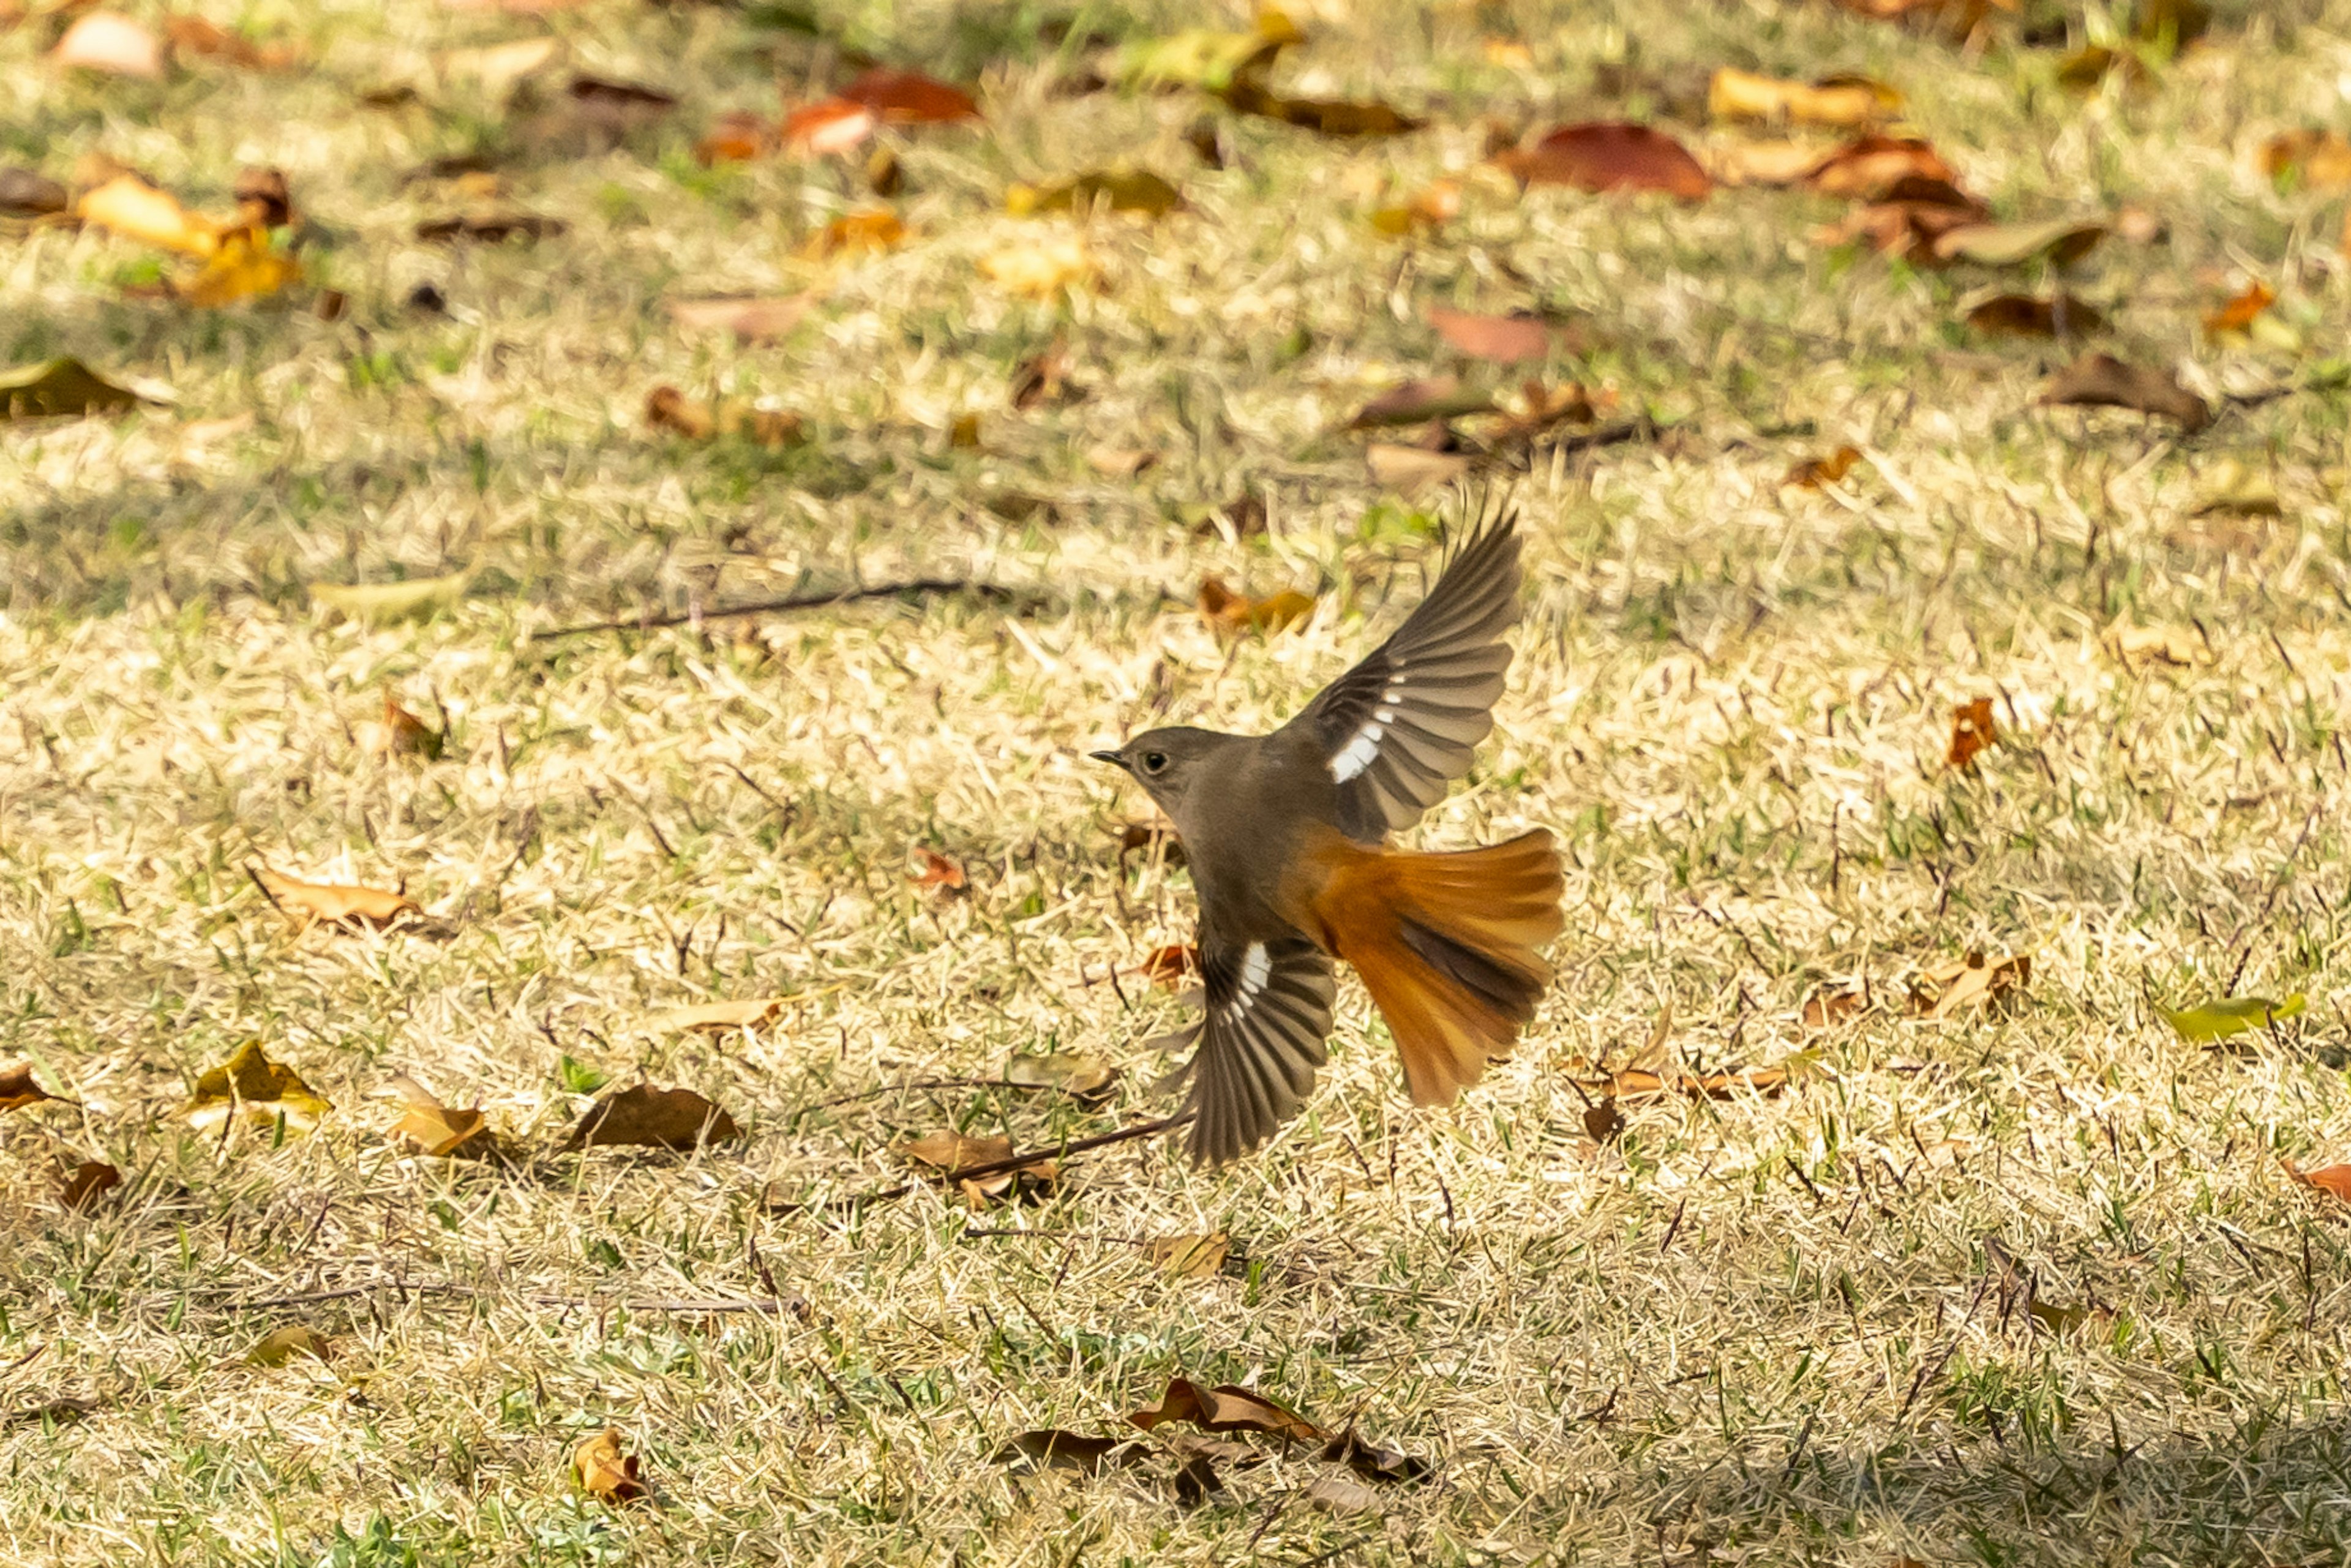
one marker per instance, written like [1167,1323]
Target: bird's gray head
[1168,762]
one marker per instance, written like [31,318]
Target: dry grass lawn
[2029,1285]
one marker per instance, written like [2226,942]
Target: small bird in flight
[1287,838]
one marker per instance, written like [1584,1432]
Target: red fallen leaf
[1170,967]
[910,98]
[2241,311]
[735,137]
[2334,1179]
[1972,729]
[1227,1407]
[941,875]
[1870,167]
[1505,340]
[833,125]
[1610,156]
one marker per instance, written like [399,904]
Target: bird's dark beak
[1116,759]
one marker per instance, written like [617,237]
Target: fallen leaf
[1610,156]
[25,194]
[910,98]
[1419,402]
[1190,1257]
[1828,1006]
[2059,1320]
[1331,116]
[949,1151]
[1646,1083]
[17,1089]
[1227,1407]
[405,734]
[195,36]
[1431,207]
[62,388]
[1504,339]
[86,1183]
[2028,316]
[1843,101]
[243,267]
[490,228]
[739,136]
[2240,311]
[828,128]
[376,604]
[1972,729]
[1820,472]
[1120,462]
[2142,645]
[1765,163]
[940,874]
[627,99]
[110,43]
[1168,968]
[2063,241]
[1204,58]
[1341,1495]
[1081,1077]
[431,1128]
[2334,1180]
[1602,1121]
[1408,470]
[2101,381]
[1040,267]
[264,200]
[2232,487]
[1053,1449]
[643,1116]
[604,1472]
[666,408]
[1374,1463]
[755,320]
[872,228]
[1120,190]
[1879,168]
[2218,1020]
[1946,991]
[1042,377]
[1907,229]
[2321,159]
[130,206]
[348,908]
[717,1017]
[280,1347]
[1231,612]
[250,1088]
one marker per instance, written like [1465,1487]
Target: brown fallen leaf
[86,1183]
[910,98]
[950,1151]
[2241,309]
[17,1089]
[62,388]
[1190,1257]
[1419,401]
[1341,1495]
[1042,266]
[1331,116]
[2028,316]
[1846,102]
[405,734]
[1152,838]
[604,1472]
[1830,1005]
[1373,1463]
[1503,339]
[739,136]
[643,1116]
[1082,1078]
[2333,1180]
[264,199]
[111,43]
[1053,1449]
[489,229]
[1043,377]
[429,1127]
[1610,156]
[1947,990]
[2142,646]
[1908,229]
[629,99]
[1230,614]
[717,1017]
[1168,968]
[1972,729]
[2320,158]
[251,1089]
[192,35]
[753,321]
[666,408]
[281,1345]
[1429,208]
[1819,472]
[1877,168]
[2101,381]
[345,908]
[869,228]
[2063,241]
[26,195]
[1227,1407]
[940,874]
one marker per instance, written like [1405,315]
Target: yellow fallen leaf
[252,1088]
[717,1017]
[1847,101]
[431,1128]
[1948,989]
[280,1347]
[319,903]
[417,599]
[243,267]
[604,1472]
[1191,1257]
[1041,267]
[130,206]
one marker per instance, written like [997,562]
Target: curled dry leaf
[1830,1005]
[86,1183]
[1503,339]
[1905,228]
[1846,102]
[1169,967]
[666,408]
[604,1472]
[1190,1257]
[264,199]
[950,1151]
[405,734]
[1230,614]
[1041,267]
[2241,309]
[62,388]
[130,206]
[380,603]
[2139,647]
[1819,472]
[2333,1180]
[1150,838]
[1972,729]
[2320,160]
[17,1089]
[1227,1407]
[940,874]
[1043,377]
[2101,381]
[1947,990]
[1610,156]
[1373,1463]
[111,44]
[1120,190]
[251,1089]
[718,1017]
[1053,1449]
[2233,1015]
[870,228]
[641,1116]
[2028,316]
[429,1127]
[751,320]
[281,1345]
[1081,1077]
[346,908]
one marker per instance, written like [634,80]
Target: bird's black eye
[1155,762]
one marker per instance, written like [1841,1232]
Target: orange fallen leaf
[1170,967]
[940,874]
[874,229]
[1610,156]
[1830,1005]
[2334,1180]
[1503,339]
[1232,613]
[1820,472]
[2240,311]
[110,43]
[431,1128]
[1431,207]
[18,1090]
[349,908]
[1875,168]
[195,36]
[1972,729]
[1844,101]
[645,1117]
[666,408]
[604,1472]
[130,206]
[910,98]
[86,1183]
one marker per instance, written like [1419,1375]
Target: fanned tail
[1447,946]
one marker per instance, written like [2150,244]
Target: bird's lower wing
[1260,1042]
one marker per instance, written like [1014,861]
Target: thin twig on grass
[791,601]
[997,1167]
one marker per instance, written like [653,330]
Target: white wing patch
[1257,968]
[1364,748]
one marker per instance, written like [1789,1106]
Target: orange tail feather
[1446,943]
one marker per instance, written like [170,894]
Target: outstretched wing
[1399,727]
[1268,1013]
